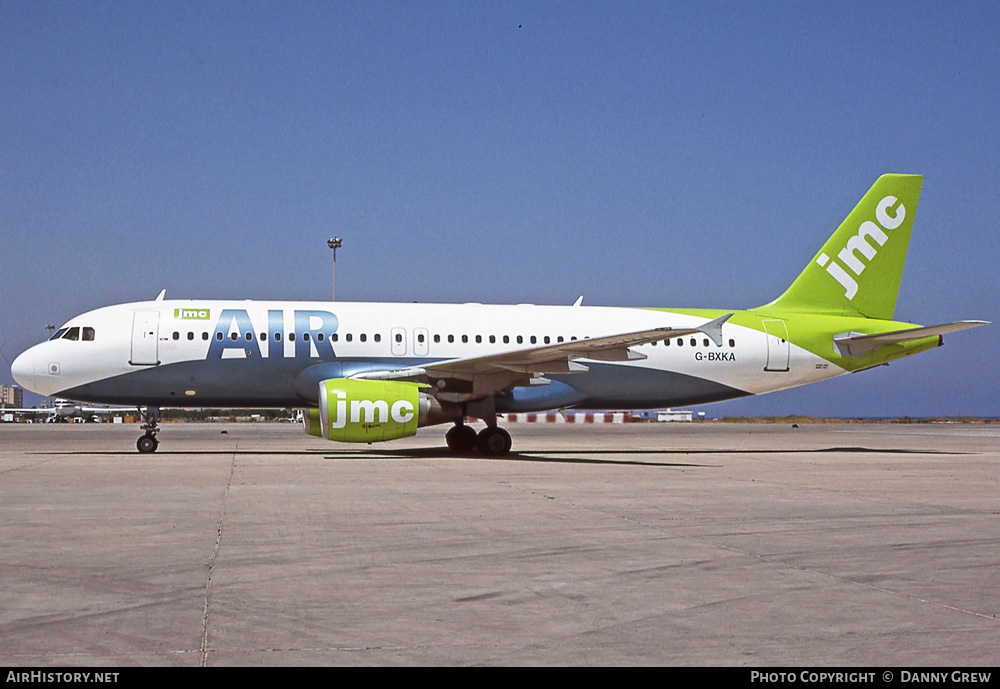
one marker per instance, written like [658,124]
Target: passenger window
[534,340]
[262,337]
[559,339]
[705,342]
[364,337]
[520,339]
[680,342]
[420,338]
[666,343]
[176,335]
[506,339]
[334,337]
[291,337]
[732,343]
[451,338]
[349,337]
[88,334]
[204,336]
[547,339]
[218,336]
[249,337]
[465,338]
[493,339]
[277,337]
[437,338]
[234,336]
[693,342]
[190,335]
[319,337]
[479,339]
[378,338]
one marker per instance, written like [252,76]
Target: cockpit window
[72,334]
[58,333]
[88,334]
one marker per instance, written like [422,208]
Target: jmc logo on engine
[368,410]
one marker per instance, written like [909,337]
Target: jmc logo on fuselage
[310,331]
[193,314]
[858,244]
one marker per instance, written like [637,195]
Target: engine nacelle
[310,422]
[369,411]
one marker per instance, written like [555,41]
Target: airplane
[65,410]
[370,372]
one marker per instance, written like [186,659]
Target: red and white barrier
[581,417]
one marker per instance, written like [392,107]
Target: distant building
[674,415]
[11,396]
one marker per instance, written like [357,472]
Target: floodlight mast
[335,244]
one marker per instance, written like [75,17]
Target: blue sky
[647,154]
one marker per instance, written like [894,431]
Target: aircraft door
[420,342]
[777,345]
[397,339]
[145,334]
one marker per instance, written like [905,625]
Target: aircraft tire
[147,444]
[461,438]
[494,442]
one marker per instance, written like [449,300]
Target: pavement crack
[215,553]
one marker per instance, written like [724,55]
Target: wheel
[493,441]
[461,438]
[146,444]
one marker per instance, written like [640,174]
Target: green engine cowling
[369,411]
[310,422]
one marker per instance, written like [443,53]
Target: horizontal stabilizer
[854,345]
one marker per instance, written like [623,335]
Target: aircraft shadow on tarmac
[607,457]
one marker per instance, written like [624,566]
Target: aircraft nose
[23,370]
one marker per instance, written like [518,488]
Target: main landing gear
[492,441]
[147,442]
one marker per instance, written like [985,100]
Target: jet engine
[369,411]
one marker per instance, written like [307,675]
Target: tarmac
[704,544]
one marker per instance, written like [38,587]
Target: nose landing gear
[147,442]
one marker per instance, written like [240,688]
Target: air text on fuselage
[310,332]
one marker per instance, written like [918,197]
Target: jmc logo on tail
[860,244]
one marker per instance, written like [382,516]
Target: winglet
[714,329]
[579,300]
[163,293]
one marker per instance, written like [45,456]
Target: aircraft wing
[854,345]
[494,372]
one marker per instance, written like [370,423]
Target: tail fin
[858,270]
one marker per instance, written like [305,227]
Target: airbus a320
[369,372]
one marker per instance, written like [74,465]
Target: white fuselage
[212,353]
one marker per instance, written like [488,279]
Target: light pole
[334,244]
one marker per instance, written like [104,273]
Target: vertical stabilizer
[858,270]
